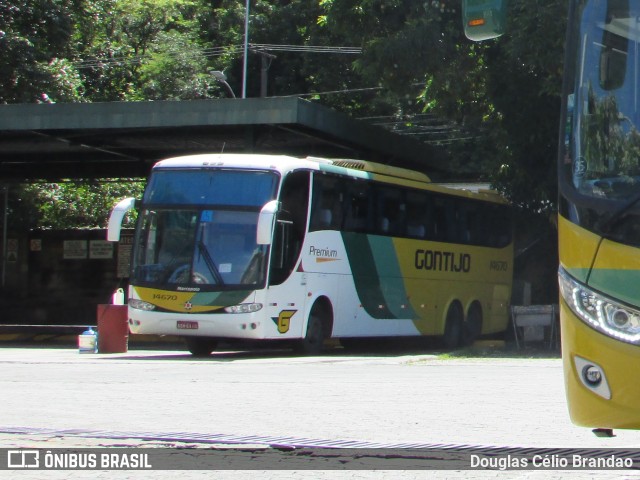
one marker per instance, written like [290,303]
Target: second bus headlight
[600,312]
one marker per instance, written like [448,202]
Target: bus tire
[453,327]
[313,340]
[472,328]
[201,346]
[318,328]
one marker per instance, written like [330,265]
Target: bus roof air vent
[381,169]
[353,164]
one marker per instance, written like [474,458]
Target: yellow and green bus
[599,214]
[262,247]
[599,206]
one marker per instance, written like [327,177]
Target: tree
[34,40]
[174,69]
[504,93]
[502,96]
[72,205]
[143,50]
[526,75]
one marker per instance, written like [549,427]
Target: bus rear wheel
[453,327]
[473,326]
[201,346]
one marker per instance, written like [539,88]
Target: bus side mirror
[266,218]
[484,19]
[115,219]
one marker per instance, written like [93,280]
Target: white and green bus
[261,247]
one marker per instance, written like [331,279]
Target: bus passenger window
[477,227]
[463,217]
[326,210]
[358,211]
[418,213]
[416,230]
[390,213]
[439,220]
[323,217]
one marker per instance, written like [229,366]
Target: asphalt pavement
[58,398]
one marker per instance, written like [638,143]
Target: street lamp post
[222,78]
[246,49]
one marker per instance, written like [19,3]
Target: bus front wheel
[319,328]
[313,340]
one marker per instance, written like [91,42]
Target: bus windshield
[197,230]
[603,148]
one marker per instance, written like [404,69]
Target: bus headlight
[600,312]
[244,308]
[141,305]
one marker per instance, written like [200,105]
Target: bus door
[287,290]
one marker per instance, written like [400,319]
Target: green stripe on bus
[580,274]
[619,284]
[392,283]
[377,276]
[365,274]
[220,299]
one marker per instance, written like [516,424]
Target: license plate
[187,325]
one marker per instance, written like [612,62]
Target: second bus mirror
[266,217]
[484,19]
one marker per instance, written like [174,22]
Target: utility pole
[246,49]
[5,190]
[265,59]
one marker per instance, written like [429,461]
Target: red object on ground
[113,329]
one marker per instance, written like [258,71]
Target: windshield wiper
[211,265]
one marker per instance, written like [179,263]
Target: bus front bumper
[600,376]
[243,326]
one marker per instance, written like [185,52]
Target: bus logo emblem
[283,320]
[188,305]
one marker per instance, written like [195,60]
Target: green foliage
[80,204]
[34,40]
[173,69]
[502,95]
[526,80]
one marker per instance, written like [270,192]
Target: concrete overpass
[123,139]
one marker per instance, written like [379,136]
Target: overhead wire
[445,133]
[219,51]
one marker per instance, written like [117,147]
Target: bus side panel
[361,277]
[354,320]
[436,274]
[396,280]
[285,308]
[498,318]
